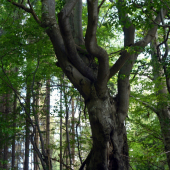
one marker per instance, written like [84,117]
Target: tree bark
[67,122]
[48,122]
[37,105]
[108,133]
[162,110]
[73,132]
[14,126]
[27,140]
[61,120]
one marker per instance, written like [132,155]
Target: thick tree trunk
[110,150]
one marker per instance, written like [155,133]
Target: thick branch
[147,105]
[124,63]
[69,41]
[48,13]
[167,74]
[78,80]
[137,47]
[21,6]
[151,33]
[119,63]
[94,49]
[29,10]
[101,5]
[129,35]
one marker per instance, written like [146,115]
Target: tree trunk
[37,105]
[73,132]
[61,120]
[2,110]
[5,160]
[28,95]
[14,126]
[162,110]
[109,149]
[164,119]
[48,122]
[78,32]
[6,144]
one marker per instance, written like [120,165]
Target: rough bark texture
[109,135]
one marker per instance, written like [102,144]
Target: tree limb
[150,35]
[69,41]
[29,10]
[129,35]
[146,104]
[136,47]
[94,49]
[100,5]
[167,74]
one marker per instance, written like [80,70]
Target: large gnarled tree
[89,71]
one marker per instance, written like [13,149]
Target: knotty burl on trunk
[107,115]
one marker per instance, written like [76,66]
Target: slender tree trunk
[61,121]
[6,144]
[28,95]
[48,121]
[36,131]
[163,111]
[5,160]
[35,154]
[73,132]
[2,110]
[14,126]
[68,151]
[1,155]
